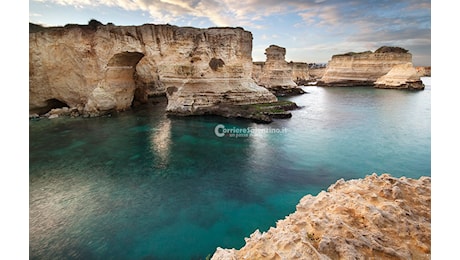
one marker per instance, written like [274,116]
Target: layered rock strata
[275,74]
[401,76]
[364,68]
[300,73]
[423,71]
[316,73]
[101,68]
[259,113]
[378,217]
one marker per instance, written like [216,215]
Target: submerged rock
[378,217]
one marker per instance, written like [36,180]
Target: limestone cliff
[275,74]
[423,71]
[316,73]
[378,217]
[364,68]
[401,76]
[98,68]
[300,73]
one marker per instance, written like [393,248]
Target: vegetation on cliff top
[387,49]
[352,53]
[383,49]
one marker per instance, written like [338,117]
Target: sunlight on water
[141,185]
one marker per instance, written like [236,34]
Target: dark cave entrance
[120,76]
[51,104]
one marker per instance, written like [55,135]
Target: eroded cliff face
[300,73]
[363,69]
[423,71]
[401,76]
[378,217]
[100,68]
[275,74]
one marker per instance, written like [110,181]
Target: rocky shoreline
[259,113]
[95,70]
[104,68]
[377,217]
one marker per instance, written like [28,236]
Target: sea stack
[365,68]
[102,68]
[275,74]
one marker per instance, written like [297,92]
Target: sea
[144,185]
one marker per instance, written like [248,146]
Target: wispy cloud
[252,12]
[35,15]
[354,23]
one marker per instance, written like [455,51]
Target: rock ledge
[378,217]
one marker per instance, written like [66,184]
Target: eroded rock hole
[125,59]
[216,63]
[51,104]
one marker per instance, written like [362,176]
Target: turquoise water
[141,185]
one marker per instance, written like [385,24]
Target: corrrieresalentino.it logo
[236,132]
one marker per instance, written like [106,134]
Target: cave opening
[120,77]
[125,59]
[51,104]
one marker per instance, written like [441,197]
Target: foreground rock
[401,76]
[105,68]
[276,74]
[364,68]
[201,97]
[378,217]
[260,112]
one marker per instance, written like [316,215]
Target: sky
[310,30]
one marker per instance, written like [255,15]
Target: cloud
[354,23]
[254,13]
[35,15]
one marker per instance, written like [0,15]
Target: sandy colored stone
[275,74]
[423,71]
[316,73]
[105,67]
[401,76]
[364,68]
[378,217]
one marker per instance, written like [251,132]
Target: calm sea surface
[141,185]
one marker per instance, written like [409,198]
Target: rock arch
[116,90]
[100,69]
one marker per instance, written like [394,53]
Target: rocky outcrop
[378,217]
[364,68]
[200,97]
[316,73]
[259,113]
[275,74]
[401,76]
[423,71]
[300,73]
[101,68]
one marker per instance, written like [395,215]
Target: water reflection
[161,143]
[260,149]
